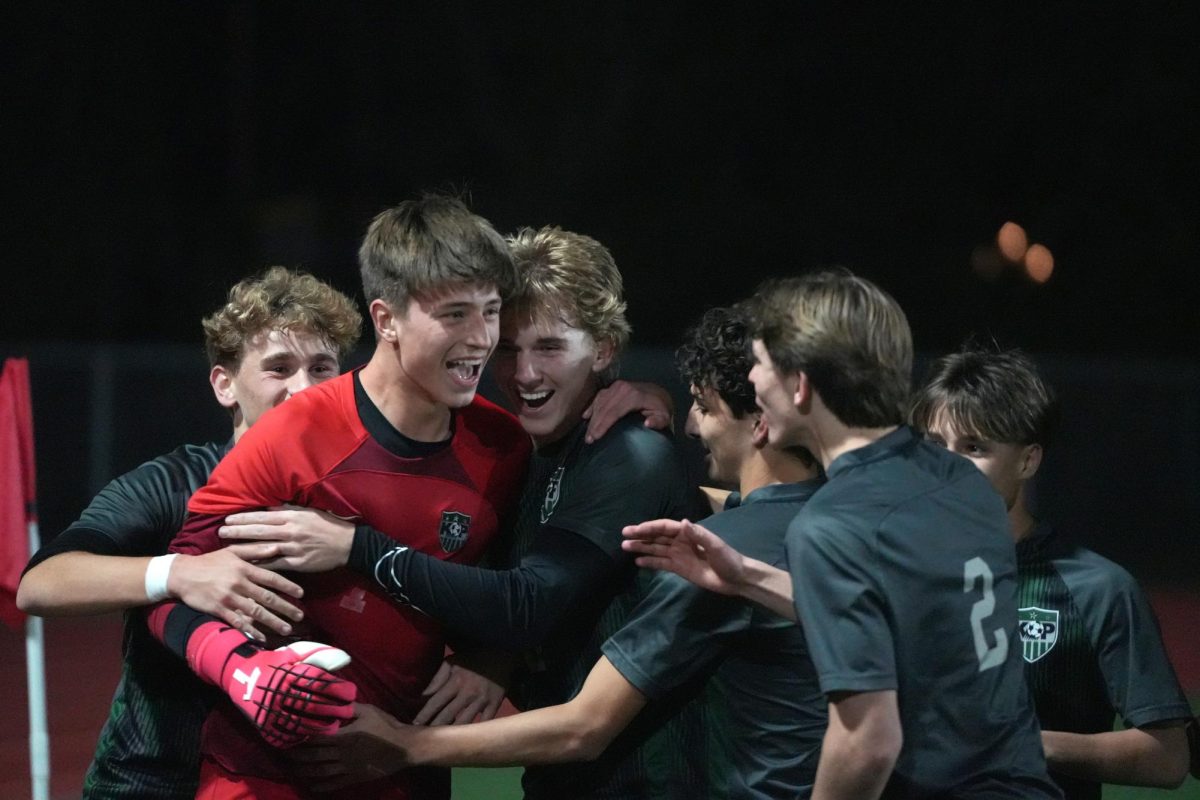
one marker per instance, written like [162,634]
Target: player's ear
[221,379]
[385,320]
[802,394]
[604,355]
[758,435]
[1031,460]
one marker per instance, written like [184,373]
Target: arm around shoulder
[77,583]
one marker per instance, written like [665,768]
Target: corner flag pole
[19,539]
[35,669]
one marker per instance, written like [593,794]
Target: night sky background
[154,154]
[158,153]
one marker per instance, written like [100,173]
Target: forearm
[510,609]
[768,586]
[77,583]
[579,730]
[860,747]
[1134,757]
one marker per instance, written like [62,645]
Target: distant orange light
[1012,242]
[1039,263]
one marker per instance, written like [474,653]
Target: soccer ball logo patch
[552,494]
[1039,631]
[453,533]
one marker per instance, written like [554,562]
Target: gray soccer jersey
[593,490]
[905,579]
[1091,644]
[767,713]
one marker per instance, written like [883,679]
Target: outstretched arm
[219,583]
[697,554]
[504,609]
[1150,756]
[377,744]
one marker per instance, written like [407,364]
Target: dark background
[156,154]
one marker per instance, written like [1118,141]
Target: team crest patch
[552,492]
[1039,631]
[453,533]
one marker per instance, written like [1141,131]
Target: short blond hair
[573,277]
[279,299]
[847,335]
[425,245]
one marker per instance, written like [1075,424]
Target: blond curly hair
[280,299]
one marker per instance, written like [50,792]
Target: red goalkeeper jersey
[330,448]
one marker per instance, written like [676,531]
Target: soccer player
[768,710]
[404,445]
[1091,644]
[901,568]
[279,333]
[572,585]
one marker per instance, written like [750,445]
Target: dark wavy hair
[715,354]
[987,392]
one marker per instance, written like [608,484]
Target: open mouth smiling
[465,370]
[536,399]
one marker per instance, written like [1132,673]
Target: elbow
[881,755]
[877,751]
[589,729]
[32,598]
[1173,764]
[585,743]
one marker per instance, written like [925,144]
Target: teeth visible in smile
[465,369]
[536,399]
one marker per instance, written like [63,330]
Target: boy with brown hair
[403,445]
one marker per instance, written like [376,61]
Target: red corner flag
[17,484]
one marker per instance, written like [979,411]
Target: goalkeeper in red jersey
[403,445]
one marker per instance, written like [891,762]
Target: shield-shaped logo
[552,491]
[453,533]
[1039,631]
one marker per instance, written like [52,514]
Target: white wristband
[156,577]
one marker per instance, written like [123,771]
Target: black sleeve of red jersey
[512,609]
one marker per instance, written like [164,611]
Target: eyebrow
[276,357]
[283,356]
[451,305]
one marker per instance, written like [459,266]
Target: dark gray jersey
[905,579]
[766,710]
[1091,644]
[150,744]
[593,490]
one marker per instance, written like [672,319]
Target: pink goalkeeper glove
[289,693]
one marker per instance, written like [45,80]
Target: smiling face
[442,341]
[274,366]
[729,441]
[1007,466]
[775,395]
[549,371]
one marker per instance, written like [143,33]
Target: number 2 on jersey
[989,655]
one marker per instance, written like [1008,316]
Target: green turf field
[486,784]
[505,784]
